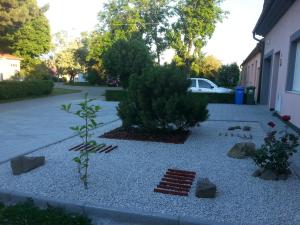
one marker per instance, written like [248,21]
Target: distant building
[80,78]
[9,66]
[251,70]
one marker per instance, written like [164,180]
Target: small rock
[268,174]
[231,128]
[246,128]
[257,173]
[24,164]
[205,188]
[242,150]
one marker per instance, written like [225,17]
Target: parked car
[113,82]
[206,86]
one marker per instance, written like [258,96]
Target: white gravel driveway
[125,178]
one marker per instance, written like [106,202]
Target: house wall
[9,67]
[251,72]
[278,40]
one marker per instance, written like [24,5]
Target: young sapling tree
[88,113]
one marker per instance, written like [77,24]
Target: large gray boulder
[242,150]
[24,164]
[205,188]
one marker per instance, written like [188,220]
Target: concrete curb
[114,214]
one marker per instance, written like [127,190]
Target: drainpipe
[261,41]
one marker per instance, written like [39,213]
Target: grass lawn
[85,84]
[55,92]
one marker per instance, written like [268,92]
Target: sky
[231,42]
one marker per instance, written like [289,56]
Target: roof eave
[271,14]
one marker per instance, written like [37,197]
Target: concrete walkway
[253,113]
[30,124]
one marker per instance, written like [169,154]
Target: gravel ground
[125,178]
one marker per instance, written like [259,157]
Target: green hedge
[118,95]
[225,98]
[115,95]
[28,213]
[21,89]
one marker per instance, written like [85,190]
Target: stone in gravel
[268,175]
[205,188]
[246,128]
[24,164]
[257,173]
[235,128]
[242,150]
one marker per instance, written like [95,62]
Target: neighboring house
[251,69]
[9,66]
[80,78]
[279,25]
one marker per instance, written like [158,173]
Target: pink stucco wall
[251,72]
[278,39]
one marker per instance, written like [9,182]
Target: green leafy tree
[14,14]
[206,66]
[228,75]
[149,19]
[156,15]
[121,18]
[25,32]
[67,62]
[195,25]
[87,112]
[158,101]
[98,44]
[127,57]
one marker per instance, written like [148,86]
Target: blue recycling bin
[239,95]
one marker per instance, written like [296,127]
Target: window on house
[293,80]
[296,80]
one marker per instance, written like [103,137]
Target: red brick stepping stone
[176,182]
[94,148]
[164,191]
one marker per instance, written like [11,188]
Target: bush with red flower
[274,154]
[286,118]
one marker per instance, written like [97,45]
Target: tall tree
[196,22]
[98,44]
[206,66]
[15,13]
[18,14]
[146,18]
[229,75]
[32,39]
[156,15]
[121,18]
[24,31]
[67,62]
[127,57]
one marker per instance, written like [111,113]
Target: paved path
[30,124]
[257,113]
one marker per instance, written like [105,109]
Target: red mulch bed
[178,137]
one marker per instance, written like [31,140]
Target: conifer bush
[158,100]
